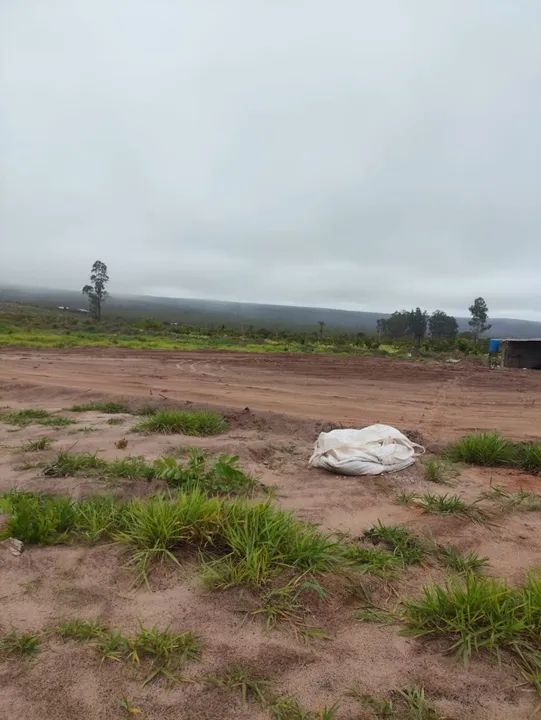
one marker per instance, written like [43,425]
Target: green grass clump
[22,644]
[404,545]
[481,614]
[449,505]
[37,519]
[511,501]
[42,443]
[468,562]
[529,456]
[223,477]
[374,560]
[97,518]
[437,470]
[185,422]
[81,629]
[22,418]
[261,541]
[68,463]
[166,651]
[110,408]
[417,705]
[483,449]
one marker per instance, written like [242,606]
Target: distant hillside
[214,312]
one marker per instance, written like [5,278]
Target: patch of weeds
[223,477]
[408,548]
[373,560]
[67,464]
[22,418]
[130,468]
[166,651]
[113,645]
[42,443]
[438,470]
[16,643]
[417,705]
[97,518]
[81,629]
[154,528]
[239,678]
[510,501]
[449,505]
[185,422]
[116,421]
[84,429]
[483,449]
[529,456]
[121,444]
[404,497]
[287,603]
[468,562]
[374,614]
[109,408]
[37,519]
[381,708]
[285,707]
[481,614]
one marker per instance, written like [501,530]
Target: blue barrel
[494,345]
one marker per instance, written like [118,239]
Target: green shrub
[38,519]
[15,643]
[186,422]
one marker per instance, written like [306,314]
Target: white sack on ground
[370,451]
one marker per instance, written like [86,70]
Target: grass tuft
[451,557]
[404,545]
[438,471]
[166,651]
[483,449]
[185,422]
[42,443]
[481,614]
[67,463]
[16,643]
[110,408]
[81,629]
[508,501]
[417,705]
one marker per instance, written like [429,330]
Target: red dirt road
[437,399]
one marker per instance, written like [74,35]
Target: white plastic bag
[370,451]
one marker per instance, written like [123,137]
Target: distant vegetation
[31,326]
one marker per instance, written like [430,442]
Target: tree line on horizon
[439,325]
[401,324]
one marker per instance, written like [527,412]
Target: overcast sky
[357,154]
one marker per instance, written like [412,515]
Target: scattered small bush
[186,422]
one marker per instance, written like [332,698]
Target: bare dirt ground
[437,399]
[291,398]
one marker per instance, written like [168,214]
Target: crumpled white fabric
[369,451]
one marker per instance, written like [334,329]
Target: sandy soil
[291,400]
[436,399]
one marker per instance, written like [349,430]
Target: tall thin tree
[96,291]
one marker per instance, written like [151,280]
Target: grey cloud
[355,154]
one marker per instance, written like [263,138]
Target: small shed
[525,353]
